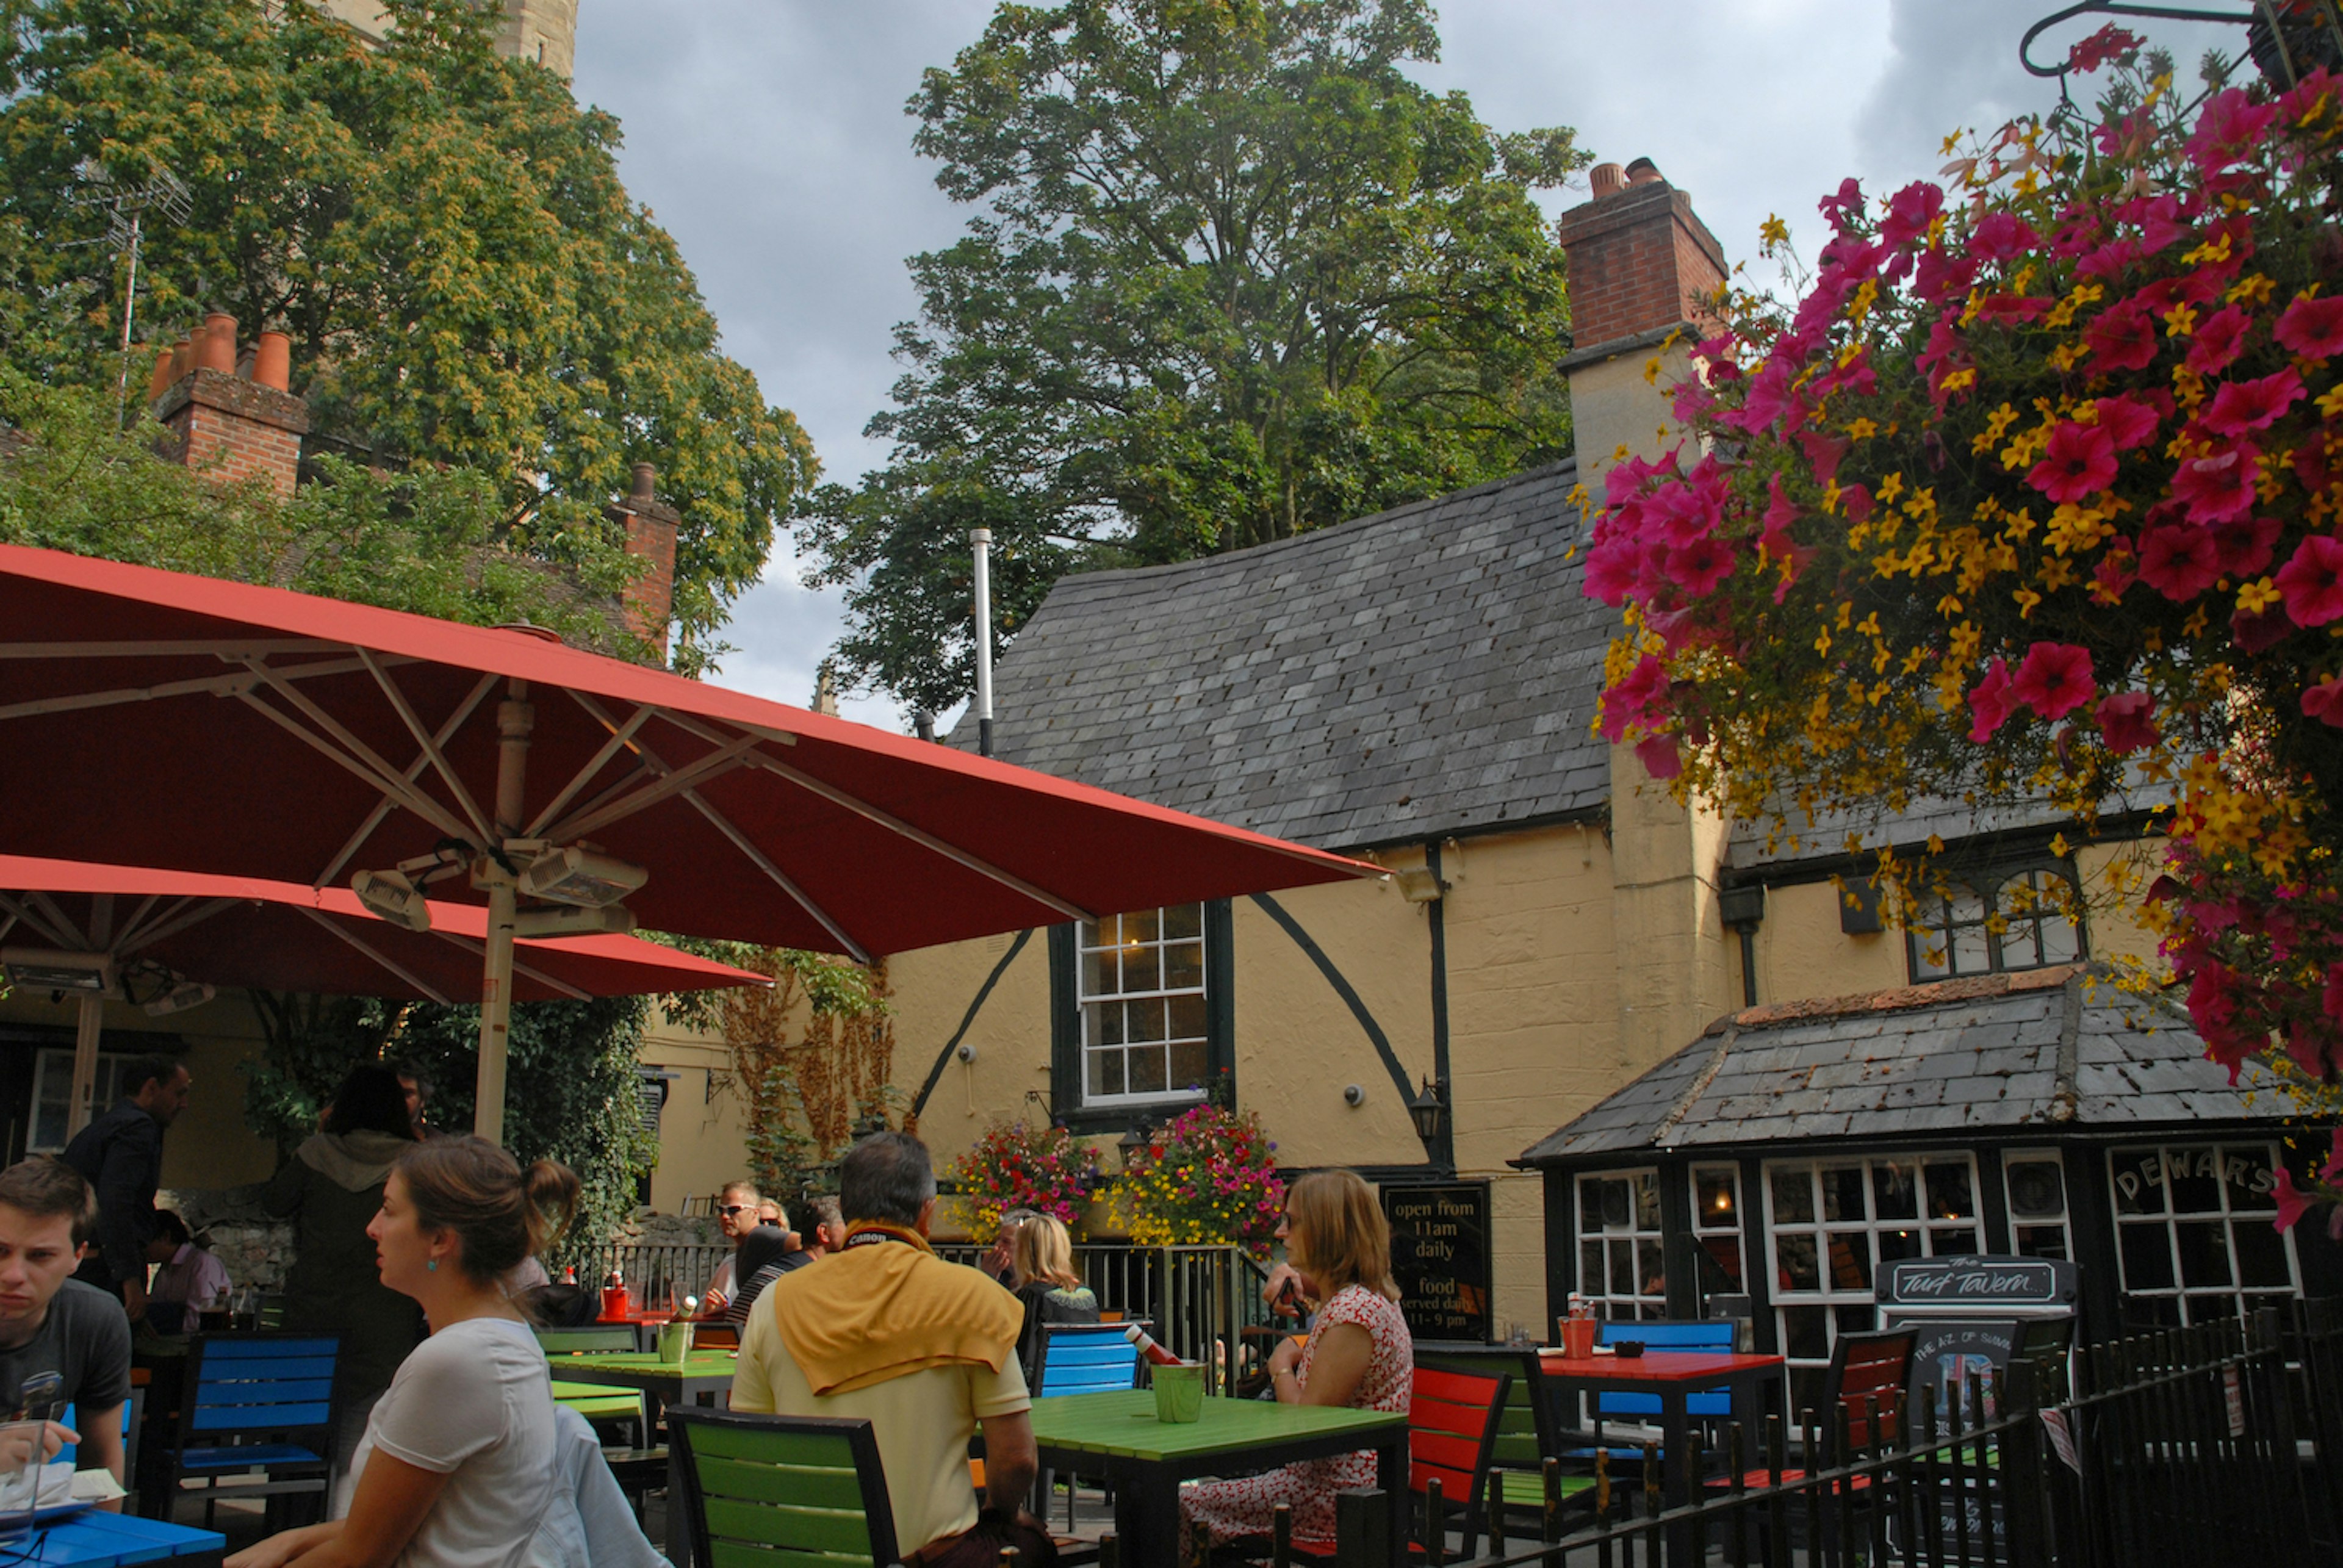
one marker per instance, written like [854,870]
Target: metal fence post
[2021,1476]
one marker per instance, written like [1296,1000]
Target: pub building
[1795,1150]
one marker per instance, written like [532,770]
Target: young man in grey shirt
[51,1323]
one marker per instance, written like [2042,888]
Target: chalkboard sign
[1979,1283]
[1440,1258]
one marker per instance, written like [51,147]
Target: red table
[1673,1376]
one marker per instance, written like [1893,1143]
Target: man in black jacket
[120,1155]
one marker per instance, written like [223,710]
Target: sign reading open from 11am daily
[1440,1258]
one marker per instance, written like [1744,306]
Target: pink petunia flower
[1614,571]
[2054,678]
[2324,701]
[2243,546]
[1660,756]
[2128,722]
[2313,327]
[2079,461]
[1999,235]
[2218,341]
[2179,561]
[2312,581]
[2127,421]
[2292,1201]
[1990,704]
[2218,486]
[1910,212]
[2123,338]
[2258,631]
[2109,42]
[2226,129]
[1698,568]
[2257,405]
[1632,701]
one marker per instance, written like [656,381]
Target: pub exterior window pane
[1619,1245]
[1139,984]
[1996,921]
[1717,1227]
[2194,1233]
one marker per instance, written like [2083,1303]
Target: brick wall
[1639,260]
[649,599]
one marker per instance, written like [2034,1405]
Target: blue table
[100,1540]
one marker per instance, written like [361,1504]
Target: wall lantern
[1429,1110]
[1133,1143]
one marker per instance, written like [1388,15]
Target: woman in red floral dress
[1358,1356]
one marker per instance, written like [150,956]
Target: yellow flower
[2068,355]
[1773,232]
[1958,380]
[2026,599]
[2257,597]
[2180,321]
[2254,288]
[1889,488]
[2212,252]
[2330,402]
[1862,430]
[2055,573]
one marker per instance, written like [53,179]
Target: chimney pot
[1606,180]
[166,360]
[1642,172]
[183,358]
[646,482]
[215,349]
[272,361]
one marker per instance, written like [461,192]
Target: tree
[2035,498]
[1229,276]
[442,232]
[575,1094]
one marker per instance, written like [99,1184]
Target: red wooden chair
[1452,1420]
[1866,1379]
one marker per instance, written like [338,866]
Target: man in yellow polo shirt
[884,1330]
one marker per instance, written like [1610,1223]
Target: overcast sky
[770,138]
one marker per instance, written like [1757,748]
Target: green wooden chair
[783,1491]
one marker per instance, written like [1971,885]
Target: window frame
[2065,1219]
[1637,1304]
[1069,1099]
[60,1059]
[1984,883]
[1707,1234]
[1837,1301]
[2127,1160]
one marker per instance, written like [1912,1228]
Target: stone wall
[254,1249]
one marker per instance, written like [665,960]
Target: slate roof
[2060,1049]
[1418,672]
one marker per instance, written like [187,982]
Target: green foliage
[442,233]
[570,1088]
[1229,276]
[423,541]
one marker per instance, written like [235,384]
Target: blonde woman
[1358,1356]
[1042,1257]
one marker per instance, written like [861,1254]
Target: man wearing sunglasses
[736,1212]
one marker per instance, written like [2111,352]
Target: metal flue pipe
[980,539]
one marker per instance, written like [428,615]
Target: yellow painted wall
[1801,952]
[209,1145]
[702,1125]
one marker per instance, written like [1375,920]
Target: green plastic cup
[674,1342]
[1180,1392]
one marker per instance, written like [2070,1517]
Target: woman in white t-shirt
[457,1468]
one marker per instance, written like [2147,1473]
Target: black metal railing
[653,1268]
[2213,1445]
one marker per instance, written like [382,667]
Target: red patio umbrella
[166,938]
[157,719]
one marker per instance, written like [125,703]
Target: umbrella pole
[515,720]
[92,1017]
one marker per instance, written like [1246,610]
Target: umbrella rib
[896,825]
[430,747]
[199,686]
[57,919]
[540,976]
[32,918]
[390,785]
[409,789]
[578,781]
[391,964]
[464,711]
[713,765]
[756,857]
[185,913]
[130,926]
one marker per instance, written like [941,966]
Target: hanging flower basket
[1210,1177]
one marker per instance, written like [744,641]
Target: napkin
[62,1483]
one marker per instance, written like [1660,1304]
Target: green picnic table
[667,1383]
[1118,1436]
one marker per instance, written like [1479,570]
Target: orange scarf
[872,1312]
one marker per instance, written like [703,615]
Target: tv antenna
[126,207]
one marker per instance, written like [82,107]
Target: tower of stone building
[543,31]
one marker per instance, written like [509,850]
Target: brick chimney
[231,414]
[650,525]
[1640,261]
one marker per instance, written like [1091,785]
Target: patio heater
[980,540]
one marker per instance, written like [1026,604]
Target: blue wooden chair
[782,1490]
[256,1418]
[1084,1358]
[1657,1335]
[132,1409]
